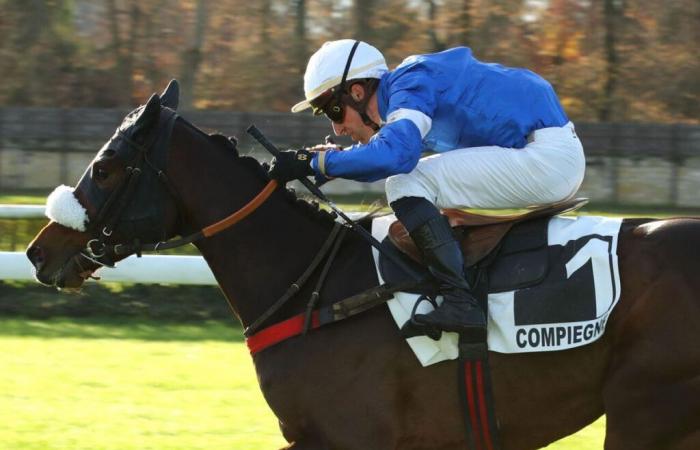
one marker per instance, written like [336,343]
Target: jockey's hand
[291,165]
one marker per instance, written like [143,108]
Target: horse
[355,384]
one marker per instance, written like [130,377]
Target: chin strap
[369,122]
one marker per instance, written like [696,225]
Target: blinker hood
[141,143]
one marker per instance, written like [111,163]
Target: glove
[291,165]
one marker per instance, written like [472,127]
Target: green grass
[81,384]
[24,197]
[88,385]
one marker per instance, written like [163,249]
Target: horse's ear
[148,117]
[171,95]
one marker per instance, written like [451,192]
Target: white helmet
[326,67]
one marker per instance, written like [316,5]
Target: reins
[242,213]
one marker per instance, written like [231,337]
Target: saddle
[480,234]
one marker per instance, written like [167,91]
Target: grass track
[79,384]
[87,385]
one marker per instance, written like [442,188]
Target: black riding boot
[459,311]
[433,236]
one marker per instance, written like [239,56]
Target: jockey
[499,135]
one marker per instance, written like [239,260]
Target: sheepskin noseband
[62,207]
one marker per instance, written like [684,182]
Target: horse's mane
[311,207]
[260,170]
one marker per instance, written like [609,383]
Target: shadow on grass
[131,329]
[115,301]
[117,311]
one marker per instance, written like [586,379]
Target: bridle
[98,251]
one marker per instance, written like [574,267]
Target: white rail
[21,211]
[150,269]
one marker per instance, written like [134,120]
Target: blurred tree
[556,46]
[436,44]
[612,12]
[464,23]
[123,32]
[497,33]
[362,13]
[619,60]
[38,51]
[192,55]
[301,51]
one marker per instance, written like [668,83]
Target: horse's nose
[36,256]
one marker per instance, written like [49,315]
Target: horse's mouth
[69,277]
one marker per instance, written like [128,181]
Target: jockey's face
[352,124]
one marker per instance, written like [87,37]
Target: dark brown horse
[356,384]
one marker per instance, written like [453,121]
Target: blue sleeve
[395,149]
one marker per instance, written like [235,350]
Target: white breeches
[549,169]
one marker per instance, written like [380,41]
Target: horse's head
[122,198]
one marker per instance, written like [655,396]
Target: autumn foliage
[610,60]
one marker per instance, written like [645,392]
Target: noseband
[100,252]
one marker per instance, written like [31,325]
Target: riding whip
[386,251]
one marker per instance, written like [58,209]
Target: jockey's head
[332,74]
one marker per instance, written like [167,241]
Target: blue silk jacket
[445,101]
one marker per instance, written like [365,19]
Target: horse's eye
[100,174]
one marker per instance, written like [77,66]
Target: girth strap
[474,382]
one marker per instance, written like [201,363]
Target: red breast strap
[278,332]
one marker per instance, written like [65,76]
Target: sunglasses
[329,103]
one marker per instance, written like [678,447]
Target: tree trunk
[301,50]
[122,61]
[611,15]
[264,92]
[465,21]
[435,43]
[192,56]
[300,39]
[361,13]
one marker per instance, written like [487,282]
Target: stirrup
[413,328]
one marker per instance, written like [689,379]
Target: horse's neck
[259,258]
[256,260]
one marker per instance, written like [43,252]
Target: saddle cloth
[565,308]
